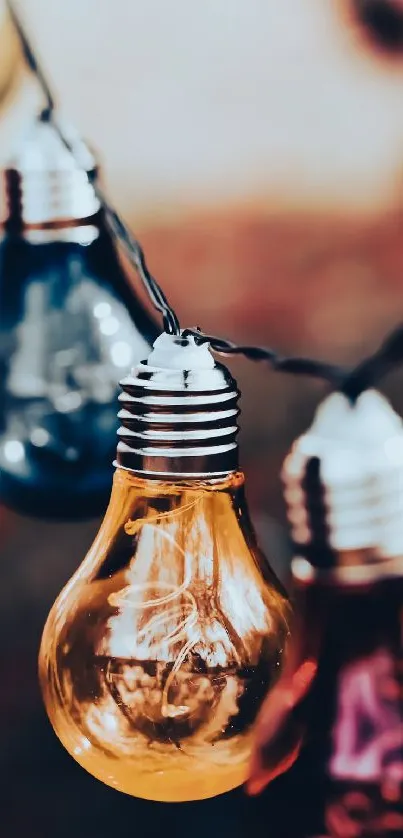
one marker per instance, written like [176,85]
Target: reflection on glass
[334,722]
[69,330]
[156,656]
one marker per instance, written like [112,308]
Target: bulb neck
[178,423]
[84,233]
[344,492]
[47,188]
[349,570]
[154,486]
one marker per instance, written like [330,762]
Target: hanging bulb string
[118,228]
[351,382]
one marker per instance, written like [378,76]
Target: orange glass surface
[157,655]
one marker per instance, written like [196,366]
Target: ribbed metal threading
[177,423]
[46,186]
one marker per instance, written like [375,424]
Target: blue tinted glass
[70,329]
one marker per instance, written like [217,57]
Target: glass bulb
[329,737]
[156,656]
[69,328]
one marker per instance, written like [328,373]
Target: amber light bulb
[157,655]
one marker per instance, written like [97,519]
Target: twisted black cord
[372,369]
[132,247]
[350,382]
[136,254]
[296,366]
[30,58]
[118,228]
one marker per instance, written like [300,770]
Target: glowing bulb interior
[157,655]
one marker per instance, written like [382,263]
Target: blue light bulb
[70,328]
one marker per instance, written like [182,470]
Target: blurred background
[256,148]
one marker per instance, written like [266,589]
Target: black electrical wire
[136,254]
[332,373]
[372,369]
[117,226]
[349,382]
[31,59]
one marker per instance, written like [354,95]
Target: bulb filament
[186,612]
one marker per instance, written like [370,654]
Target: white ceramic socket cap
[173,352]
[360,449]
